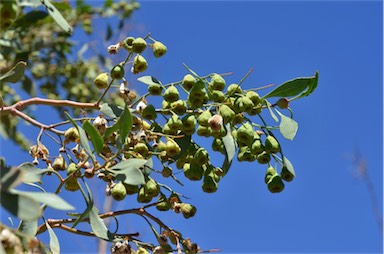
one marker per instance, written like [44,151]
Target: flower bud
[286,175]
[172,148]
[101,81]
[71,135]
[117,72]
[159,49]
[216,122]
[139,45]
[188,82]
[283,103]
[128,43]
[118,191]
[100,123]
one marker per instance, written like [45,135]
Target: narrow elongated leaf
[289,166]
[14,74]
[149,80]
[22,207]
[50,199]
[31,174]
[111,129]
[125,124]
[30,3]
[30,18]
[312,85]
[288,127]
[56,15]
[111,111]
[54,244]
[29,228]
[129,171]
[11,178]
[271,111]
[96,139]
[230,148]
[84,141]
[294,87]
[98,226]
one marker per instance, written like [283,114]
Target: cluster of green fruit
[9,11]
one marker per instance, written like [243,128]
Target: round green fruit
[271,145]
[101,81]
[117,72]
[159,49]
[139,45]
[275,184]
[286,175]
[118,191]
[188,82]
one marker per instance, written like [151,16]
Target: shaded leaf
[54,244]
[56,15]
[230,148]
[148,166]
[98,226]
[111,129]
[14,74]
[129,171]
[111,111]
[289,166]
[288,127]
[30,18]
[10,178]
[28,86]
[50,199]
[29,228]
[271,112]
[294,87]
[22,207]
[149,80]
[125,123]
[31,174]
[312,85]
[96,139]
[184,144]
[84,141]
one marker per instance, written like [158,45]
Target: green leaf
[111,129]
[30,3]
[312,85]
[96,139]
[22,207]
[129,171]
[149,80]
[191,71]
[289,166]
[54,244]
[98,226]
[28,86]
[29,228]
[56,15]
[111,111]
[84,142]
[125,123]
[31,174]
[30,18]
[288,127]
[294,87]
[148,166]
[10,178]
[14,74]
[50,199]
[271,112]
[230,148]
[184,144]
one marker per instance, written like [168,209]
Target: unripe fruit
[263,158]
[201,156]
[72,184]
[128,43]
[198,91]
[286,175]
[172,148]
[204,118]
[118,191]
[59,163]
[195,102]
[152,188]
[139,64]
[193,171]
[141,250]
[9,11]
[271,145]
[238,119]
[117,72]
[234,89]
[245,154]
[227,113]
[188,210]
[164,204]
[254,97]
[204,131]
[155,89]
[217,96]
[171,94]
[159,49]
[217,83]
[131,189]
[189,122]
[257,147]
[175,122]
[245,134]
[149,112]
[243,104]
[71,135]
[217,145]
[141,148]
[283,103]
[209,184]
[101,81]
[143,197]
[221,133]
[139,45]
[73,168]
[275,184]
[179,107]
[271,171]
[188,82]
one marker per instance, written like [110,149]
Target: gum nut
[188,82]
[72,135]
[128,43]
[283,103]
[155,89]
[209,185]
[119,191]
[117,72]
[275,184]
[171,94]
[217,83]
[149,112]
[72,184]
[227,113]
[73,168]
[172,148]
[234,89]
[193,171]
[159,49]
[59,163]
[139,64]
[204,118]
[257,147]
[188,210]
[101,81]
[245,134]
[139,45]
[271,171]
[263,158]
[271,145]
[152,188]
[254,97]
[286,175]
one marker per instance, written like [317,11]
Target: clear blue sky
[325,209]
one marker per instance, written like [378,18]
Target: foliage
[117,136]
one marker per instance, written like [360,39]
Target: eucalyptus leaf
[125,124]
[149,80]
[184,144]
[98,226]
[96,139]
[84,141]
[50,199]
[111,111]
[271,112]
[288,127]
[31,174]
[56,15]
[29,228]
[54,244]
[14,74]
[289,166]
[129,171]
[22,207]
[230,148]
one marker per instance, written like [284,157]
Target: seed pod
[131,189]
[139,64]
[286,175]
[118,191]
[59,163]
[100,123]
[217,83]
[188,82]
[171,94]
[73,168]
[254,97]
[72,184]
[243,104]
[217,145]
[257,147]
[204,131]
[189,122]
[159,49]
[164,204]
[209,184]
[155,89]
[149,112]
[141,148]
[271,145]
[234,89]
[204,118]
[271,171]
[128,43]
[193,171]
[179,107]
[245,154]
[275,184]
[172,148]
[245,134]
[263,158]
[227,113]
[143,197]
[71,135]
[175,122]
[195,102]
[101,81]
[217,96]
[201,156]
[152,188]
[198,91]
[117,72]
[139,45]
[188,210]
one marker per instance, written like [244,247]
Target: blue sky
[325,209]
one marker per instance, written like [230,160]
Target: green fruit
[9,12]
[254,97]
[175,122]
[221,133]
[172,148]
[204,118]
[143,197]
[139,64]
[271,145]
[59,163]
[201,156]
[227,113]
[155,89]
[168,130]
[159,49]
[179,107]
[195,102]
[193,171]
[217,145]
[257,147]
[198,91]
[101,81]
[118,191]
[217,96]
[149,112]
[141,148]
[243,104]
[117,72]
[72,184]
[271,171]
[234,89]
[189,122]
[245,134]
[204,131]
[128,43]
[152,188]
[286,175]
[71,135]
[275,184]
[171,94]
[263,158]
[245,154]
[131,189]
[164,204]
[139,45]
[188,82]
[217,83]
[73,168]
[188,210]
[209,184]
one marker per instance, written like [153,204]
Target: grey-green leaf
[54,244]
[97,224]
[31,174]
[56,15]
[289,166]
[96,139]
[270,111]
[50,199]
[110,111]
[149,80]
[184,144]
[125,124]
[84,141]
[288,127]
[29,228]
[230,149]
[14,74]
[129,171]
[23,207]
